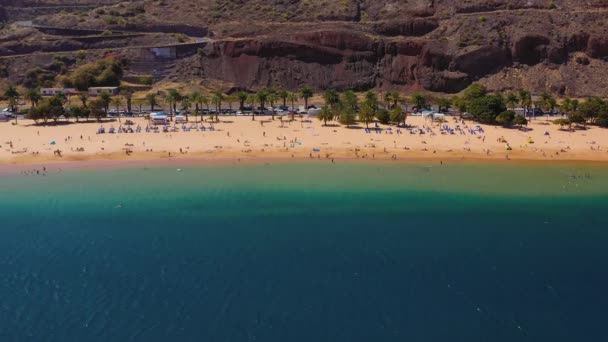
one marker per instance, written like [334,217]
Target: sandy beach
[240,138]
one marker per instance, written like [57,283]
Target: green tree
[444,104]
[105,98]
[367,113]
[383,116]
[128,95]
[55,107]
[186,104]
[262,98]
[205,100]
[242,96]
[12,95]
[591,108]
[172,97]
[252,99]
[326,114]
[474,91]
[576,118]
[331,98]
[33,95]
[562,122]
[506,118]
[397,116]
[197,98]
[520,121]
[78,112]
[419,102]
[292,98]
[485,109]
[283,94]
[272,98]
[347,116]
[117,103]
[525,100]
[306,93]
[511,100]
[350,101]
[460,104]
[217,99]
[104,72]
[83,97]
[98,108]
[151,99]
[371,99]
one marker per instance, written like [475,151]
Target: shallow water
[306,252]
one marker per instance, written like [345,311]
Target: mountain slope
[437,45]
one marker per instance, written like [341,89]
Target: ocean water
[306,252]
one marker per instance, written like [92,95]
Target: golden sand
[244,139]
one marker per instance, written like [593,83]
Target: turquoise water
[306,252]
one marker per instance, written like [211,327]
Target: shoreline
[101,164]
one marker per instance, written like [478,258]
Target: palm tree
[511,100]
[331,97]
[525,99]
[185,104]
[83,97]
[230,99]
[128,94]
[262,97]
[196,98]
[217,99]
[444,104]
[306,93]
[12,95]
[252,99]
[283,94]
[272,98]
[566,106]
[242,97]
[105,98]
[395,99]
[292,97]
[33,95]
[117,102]
[172,97]
[205,100]
[419,101]
[151,99]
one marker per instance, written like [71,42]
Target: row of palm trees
[173,98]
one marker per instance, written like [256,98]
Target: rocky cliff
[559,46]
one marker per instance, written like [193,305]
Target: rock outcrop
[434,45]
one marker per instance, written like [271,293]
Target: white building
[96,91]
[55,91]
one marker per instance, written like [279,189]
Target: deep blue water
[321,254]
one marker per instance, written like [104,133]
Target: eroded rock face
[353,60]
[411,27]
[437,45]
[530,49]
[598,47]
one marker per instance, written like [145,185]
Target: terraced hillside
[559,46]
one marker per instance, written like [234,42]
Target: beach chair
[112,130]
